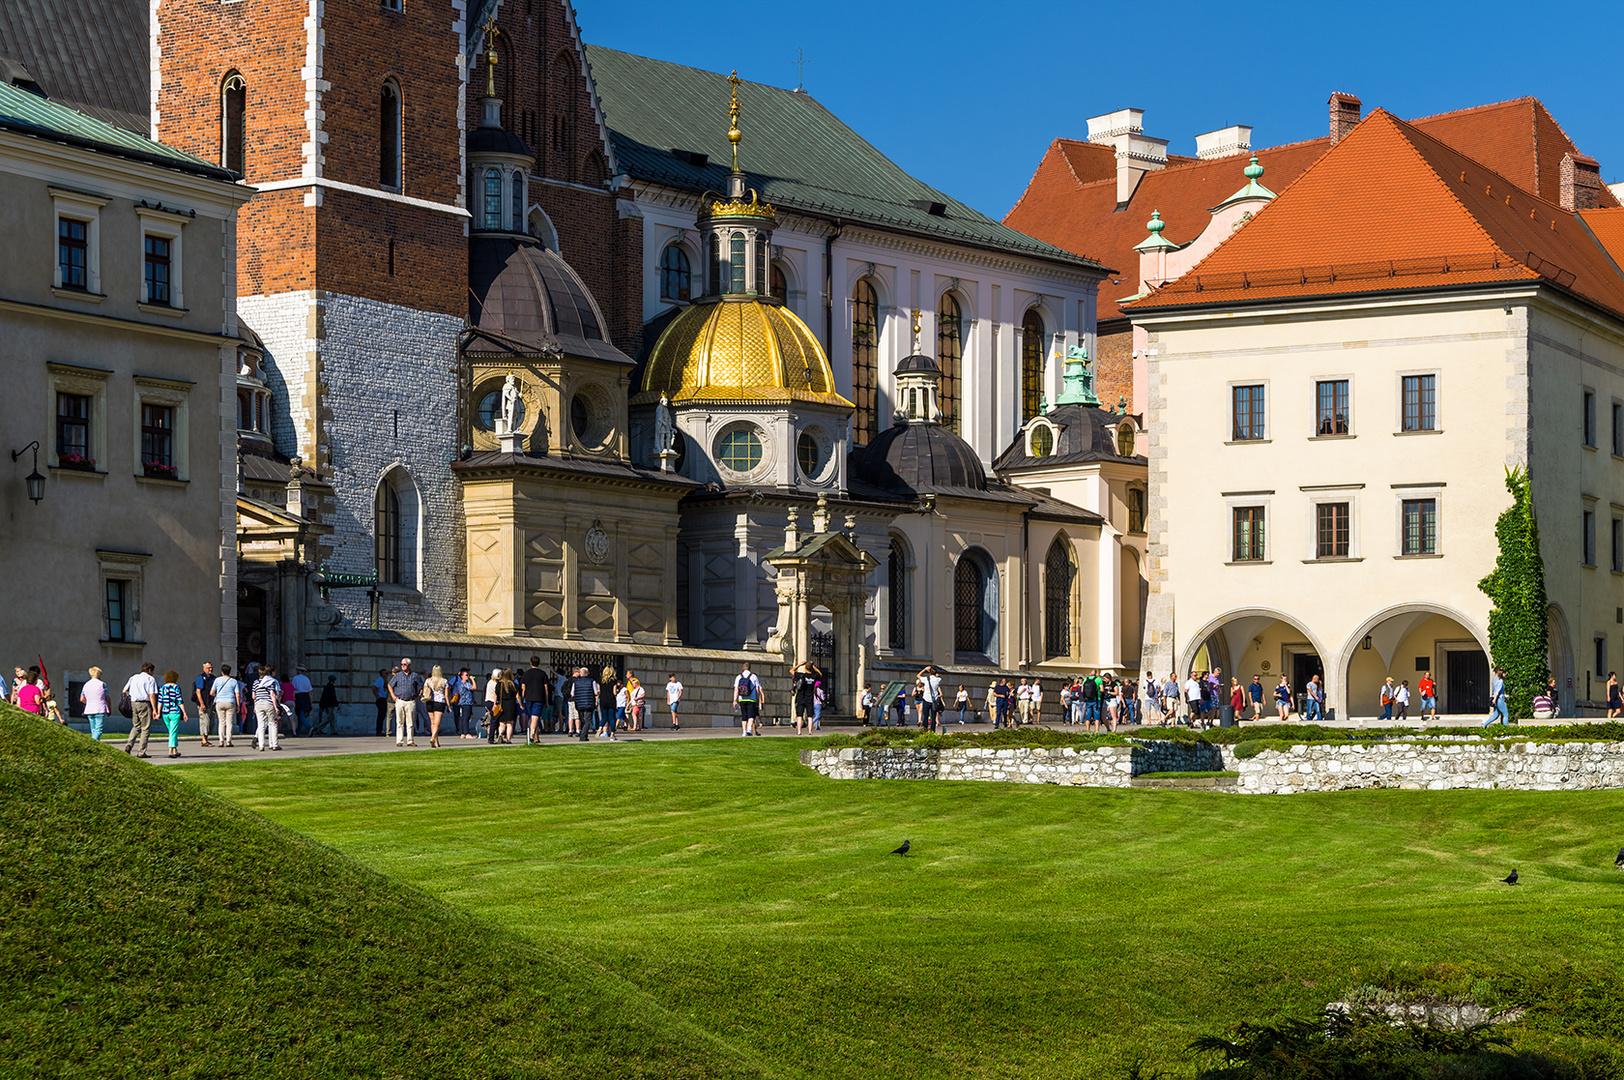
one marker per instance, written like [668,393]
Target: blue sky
[967,94]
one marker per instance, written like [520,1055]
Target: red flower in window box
[159,470]
[71,460]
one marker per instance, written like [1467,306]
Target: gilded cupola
[738,342]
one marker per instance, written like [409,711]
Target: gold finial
[917,317]
[490,55]
[734,135]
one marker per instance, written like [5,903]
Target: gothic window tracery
[1032,352]
[1060,580]
[950,358]
[676,277]
[865,347]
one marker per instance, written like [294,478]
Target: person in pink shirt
[30,694]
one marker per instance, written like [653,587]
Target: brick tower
[349,118]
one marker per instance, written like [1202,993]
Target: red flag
[44,675]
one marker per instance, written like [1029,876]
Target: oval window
[1042,441]
[490,407]
[580,417]
[810,455]
[740,450]
[1125,440]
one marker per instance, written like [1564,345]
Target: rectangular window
[1420,403]
[1601,657]
[118,595]
[1248,425]
[73,428]
[1136,510]
[157,270]
[1331,531]
[1590,538]
[1248,534]
[157,438]
[1618,429]
[1618,546]
[1331,407]
[1420,527]
[1590,418]
[73,253]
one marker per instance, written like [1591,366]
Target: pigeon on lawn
[1510,879]
[903,850]
[1619,862]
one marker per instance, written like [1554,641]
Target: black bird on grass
[1510,879]
[903,850]
[1619,862]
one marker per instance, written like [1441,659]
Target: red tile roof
[1071,200]
[1390,207]
[1608,227]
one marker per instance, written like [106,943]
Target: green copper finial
[1077,383]
[1253,189]
[1155,241]
[1156,224]
[1254,170]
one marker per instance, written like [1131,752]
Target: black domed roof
[917,363]
[1082,433]
[493,140]
[527,293]
[915,459]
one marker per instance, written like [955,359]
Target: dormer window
[1040,441]
[1125,440]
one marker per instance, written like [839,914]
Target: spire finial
[490,55]
[1254,170]
[734,135]
[1156,224]
[917,317]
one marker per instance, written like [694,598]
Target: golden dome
[739,350]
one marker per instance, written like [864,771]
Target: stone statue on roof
[510,405]
[665,432]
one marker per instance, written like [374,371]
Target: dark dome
[527,293]
[915,459]
[1082,433]
[917,363]
[490,140]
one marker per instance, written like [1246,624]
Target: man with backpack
[1089,691]
[584,698]
[748,699]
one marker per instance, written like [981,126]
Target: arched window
[897,578]
[715,265]
[949,355]
[516,219]
[389,136]
[676,280]
[1032,349]
[780,286]
[1125,440]
[233,117]
[975,605]
[1060,580]
[736,285]
[396,529]
[388,535]
[493,199]
[761,264]
[865,349]
[245,412]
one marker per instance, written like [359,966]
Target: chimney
[1345,112]
[1581,182]
[1136,152]
[1223,142]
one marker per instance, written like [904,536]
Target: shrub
[1516,589]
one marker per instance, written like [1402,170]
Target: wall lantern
[1367,641]
[33,481]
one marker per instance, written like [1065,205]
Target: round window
[580,416]
[810,455]
[740,450]
[490,410]
[1125,440]
[1042,441]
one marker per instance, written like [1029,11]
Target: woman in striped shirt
[172,707]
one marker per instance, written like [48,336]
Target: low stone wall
[1106,766]
[1424,766]
[1435,766]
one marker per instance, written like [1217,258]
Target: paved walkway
[242,747]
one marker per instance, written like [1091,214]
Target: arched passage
[1559,646]
[1257,641]
[1406,642]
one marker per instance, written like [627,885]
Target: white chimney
[1236,139]
[1136,152]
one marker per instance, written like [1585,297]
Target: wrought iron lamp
[33,481]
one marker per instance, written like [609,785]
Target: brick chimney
[1136,152]
[1581,182]
[1345,113]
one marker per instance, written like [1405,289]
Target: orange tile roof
[1071,199]
[1390,207]
[1608,228]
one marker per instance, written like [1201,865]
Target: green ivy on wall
[1517,621]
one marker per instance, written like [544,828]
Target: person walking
[899,706]
[1387,699]
[673,698]
[802,680]
[93,698]
[748,698]
[584,692]
[1314,692]
[462,703]
[29,692]
[327,717]
[267,715]
[962,700]
[380,691]
[637,701]
[1192,700]
[507,698]
[405,686]
[172,709]
[1115,708]
[1088,690]
[931,680]
[303,700]
[1429,696]
[820,697]
[608,704]
[865,702]
[1401,701]
[1237,700]
[536,690]
[437,696]
[203,698]
[1023,704]
[1615,702]
[1254,693]
[228,704]
[1282,699]
[1498,713]
[143,691]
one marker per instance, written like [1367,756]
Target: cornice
[113,177]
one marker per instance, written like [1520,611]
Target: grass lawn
[719,887]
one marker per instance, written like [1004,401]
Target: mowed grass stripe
[1034,931]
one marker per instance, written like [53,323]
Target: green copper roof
[1253,189]
[31,114]
[797,154]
